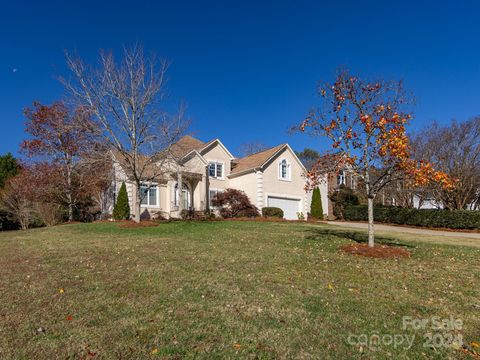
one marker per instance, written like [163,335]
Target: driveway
[404,229]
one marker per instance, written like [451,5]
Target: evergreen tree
[121,211]
[8,168]
[316,210]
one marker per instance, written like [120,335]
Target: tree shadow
[318,234]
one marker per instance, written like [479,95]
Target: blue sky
[248,69]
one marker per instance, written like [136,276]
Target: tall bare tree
[127,99]
[455,149]
[251,148]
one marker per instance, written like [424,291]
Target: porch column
[192,200]
[180,192]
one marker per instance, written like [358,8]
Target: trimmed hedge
[452,219]
[272,212]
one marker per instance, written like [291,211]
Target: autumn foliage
[234,203]
[366,124]
[367,127]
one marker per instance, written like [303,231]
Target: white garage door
[290,207]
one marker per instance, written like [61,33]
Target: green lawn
[224,290]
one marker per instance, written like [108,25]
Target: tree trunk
[371,239]
[69,190]
[136,203]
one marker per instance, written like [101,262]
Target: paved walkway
[406,230]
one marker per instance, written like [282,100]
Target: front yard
[227,290]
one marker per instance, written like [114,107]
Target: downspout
[207,190]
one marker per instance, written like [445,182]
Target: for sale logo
[437,332]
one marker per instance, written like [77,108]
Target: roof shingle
[186,144]
[255,160]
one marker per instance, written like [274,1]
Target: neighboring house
[273,177]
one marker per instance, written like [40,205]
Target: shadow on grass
[355,235]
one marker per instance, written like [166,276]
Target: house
[273,177]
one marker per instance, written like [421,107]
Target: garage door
[290,207]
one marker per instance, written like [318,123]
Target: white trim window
[211,195]
[186,196]
[341,178]
[284,170]
[216,169]
[149,195]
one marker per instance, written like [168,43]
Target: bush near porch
[435,218]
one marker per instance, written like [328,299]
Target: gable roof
[150,171]
[256,160]
[186,145]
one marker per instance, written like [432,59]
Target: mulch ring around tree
[141,224]
[378,251]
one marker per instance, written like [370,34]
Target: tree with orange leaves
[366,124]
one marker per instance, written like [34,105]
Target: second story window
[284,170]
[215,170]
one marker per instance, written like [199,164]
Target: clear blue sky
[248,69]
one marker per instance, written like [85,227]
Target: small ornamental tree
[366,123]
[234,203]
[65,138]
[121,211]
[316,210]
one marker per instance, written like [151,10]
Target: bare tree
[16,198]
[251,148]
[455,149]
[127,99]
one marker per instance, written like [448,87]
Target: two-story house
[273,177]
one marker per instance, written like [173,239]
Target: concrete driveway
[407,230]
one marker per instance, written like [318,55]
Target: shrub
[271,211]
[342,198]
[316,210]
[50,214]
[234,203]
[121,211]
[453,219]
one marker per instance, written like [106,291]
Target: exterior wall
[217,153]
[292,188]
[248,184]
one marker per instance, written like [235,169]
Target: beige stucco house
[273,177]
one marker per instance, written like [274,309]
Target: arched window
[284,170]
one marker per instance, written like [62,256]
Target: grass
[215,290]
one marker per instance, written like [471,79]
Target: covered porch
[188,192]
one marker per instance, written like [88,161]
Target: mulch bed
[378,251]
[141,224]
